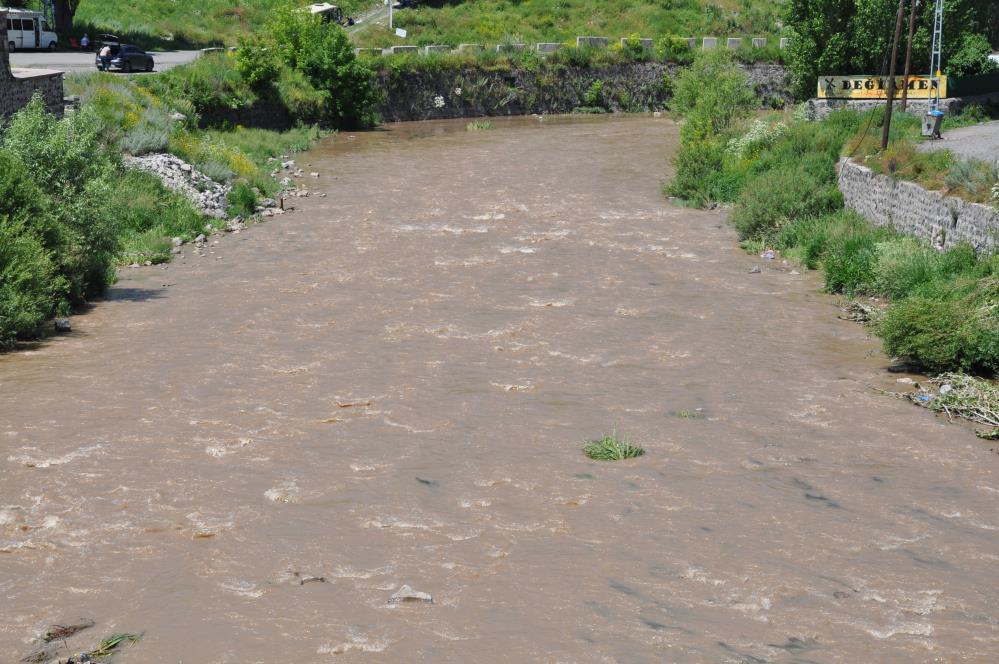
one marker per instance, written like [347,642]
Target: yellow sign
[876,87]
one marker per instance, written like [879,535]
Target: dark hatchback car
[125,57]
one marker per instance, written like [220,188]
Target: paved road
[76,61]
[978,141]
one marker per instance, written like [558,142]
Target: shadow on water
[127,294]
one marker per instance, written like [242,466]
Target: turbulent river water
[244,455]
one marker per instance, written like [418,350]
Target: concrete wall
[18,86]
[943,221]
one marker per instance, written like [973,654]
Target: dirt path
[978,142]
[392,387]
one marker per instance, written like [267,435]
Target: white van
[27,29]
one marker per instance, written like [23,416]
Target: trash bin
[931,123]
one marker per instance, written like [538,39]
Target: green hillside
[198,23]
[206,22]
[496,21]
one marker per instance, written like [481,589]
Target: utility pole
[390,3]
[891,74]
[908,55]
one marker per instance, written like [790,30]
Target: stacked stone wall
[943,221]
[17,89]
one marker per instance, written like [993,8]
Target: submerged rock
[63,325]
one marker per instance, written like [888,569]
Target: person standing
[85,42]
[105,56]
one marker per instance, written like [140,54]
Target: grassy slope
[200,23]
[496,21]
[166,22]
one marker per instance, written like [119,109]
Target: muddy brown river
[244,455]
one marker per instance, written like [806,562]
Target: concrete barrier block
[466,48]
[691,42]
[437,48]
[510,48]
[734,43]
[596,42]
[548,47]
[709,43]
[368,51]
[759,42]
[396,50]
[784,41]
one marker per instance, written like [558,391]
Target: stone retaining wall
[17,87]
[819,109]
[943,221]
[472,92]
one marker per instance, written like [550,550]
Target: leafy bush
[70,162]
[851,257]
[242,199]
[971,57]
[954,329]
[777,198]
[325,55]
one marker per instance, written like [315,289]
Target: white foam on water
[513,387]
[535,302]
[286,492]
[225,449]
[46,462]
[443,228]
[355,641]
[506,249]
[242,588]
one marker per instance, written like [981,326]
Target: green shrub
[242,199]
[325,55]
[594,95]
[209,83]
[674,49]
[956,329]
[779,197]
[851,256]
[76,169]
[256,61]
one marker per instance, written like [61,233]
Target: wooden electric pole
[891,74]
[908,56]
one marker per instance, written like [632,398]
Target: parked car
[125,57]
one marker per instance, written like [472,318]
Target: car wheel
[149,66]
[11,49]
[53,46]
[127,67]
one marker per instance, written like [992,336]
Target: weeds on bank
[780,174]
[611,448]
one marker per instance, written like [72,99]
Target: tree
[854,36]
[64,11]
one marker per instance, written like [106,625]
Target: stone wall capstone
[943,221]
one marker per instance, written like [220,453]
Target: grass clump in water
[479,125]
[107,647]
[611,448]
